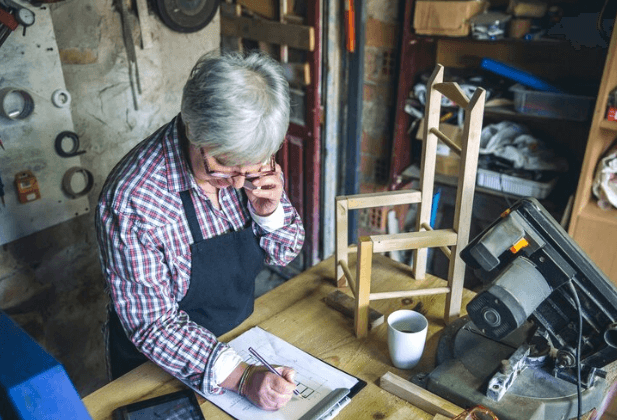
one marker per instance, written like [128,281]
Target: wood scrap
[231,43]
[418,396]
[264,8]
[295,36]
[297,74]
[345,304]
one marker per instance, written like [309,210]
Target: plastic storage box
[552,104]
[514,185]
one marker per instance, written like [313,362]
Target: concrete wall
[50,282]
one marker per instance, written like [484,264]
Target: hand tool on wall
[129,45]
[23,15]
[8,24]
[27,187]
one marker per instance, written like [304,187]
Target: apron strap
[191,215]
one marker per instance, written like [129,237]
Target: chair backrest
[449,240]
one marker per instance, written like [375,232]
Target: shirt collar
[175,144]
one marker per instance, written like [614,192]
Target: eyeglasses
[234,174]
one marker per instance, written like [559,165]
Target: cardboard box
[446,17]
[447,162]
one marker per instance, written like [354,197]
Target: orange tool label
[27,187]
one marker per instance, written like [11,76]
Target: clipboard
[324,389]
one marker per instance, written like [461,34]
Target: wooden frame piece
[295,36]
[450,241]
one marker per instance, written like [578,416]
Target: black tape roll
[68,176]
[73,151]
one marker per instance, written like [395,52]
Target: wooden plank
[447,141]
[317,332]
[464,200]
[264,8]
[453,92]
[441,417]
[420,397]
[295,36]
[345,304]
[414,240]
[342,241]
[294,19]
[298,74]
[432,113]
[363,287]
[409,293]
[380,199]
[284,50]
[231,43]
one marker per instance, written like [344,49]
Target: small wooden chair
[450,241]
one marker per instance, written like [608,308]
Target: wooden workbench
[296,312]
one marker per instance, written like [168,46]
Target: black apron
[221,291]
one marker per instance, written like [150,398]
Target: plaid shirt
[144,243]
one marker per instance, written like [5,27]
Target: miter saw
[517,351]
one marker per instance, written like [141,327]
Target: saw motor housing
[533,264]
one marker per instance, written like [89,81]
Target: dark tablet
[181,405]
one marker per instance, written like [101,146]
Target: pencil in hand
[266,364]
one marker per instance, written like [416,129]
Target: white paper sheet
[315,378]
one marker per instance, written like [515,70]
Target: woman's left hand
[265,193]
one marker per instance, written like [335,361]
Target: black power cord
[578,348]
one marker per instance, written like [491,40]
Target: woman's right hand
[267,390]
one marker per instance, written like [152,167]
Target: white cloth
[269,223]
[227,361]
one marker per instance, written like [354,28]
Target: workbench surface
[295,311]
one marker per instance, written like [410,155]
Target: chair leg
[342,241]
[363,286]
[456,282]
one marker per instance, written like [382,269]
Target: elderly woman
[186,221]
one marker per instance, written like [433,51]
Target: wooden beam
[447,141]
[409,293]
[363,286]
[453,92]
[298,74]
[350,280]
[381,199]
[420,397]
[295,36]
[414,240]
[342,241]
[345,304]
[232,43]
[264,8]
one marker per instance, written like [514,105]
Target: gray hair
[237,107]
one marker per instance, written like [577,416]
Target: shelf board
[592,211]
[469,38]
[509,112]
[608,125]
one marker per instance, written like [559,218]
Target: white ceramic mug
[406,337]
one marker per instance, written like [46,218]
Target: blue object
[518,75]
[435,207]
[33,385]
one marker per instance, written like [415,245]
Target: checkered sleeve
[284,244]
[139,282]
